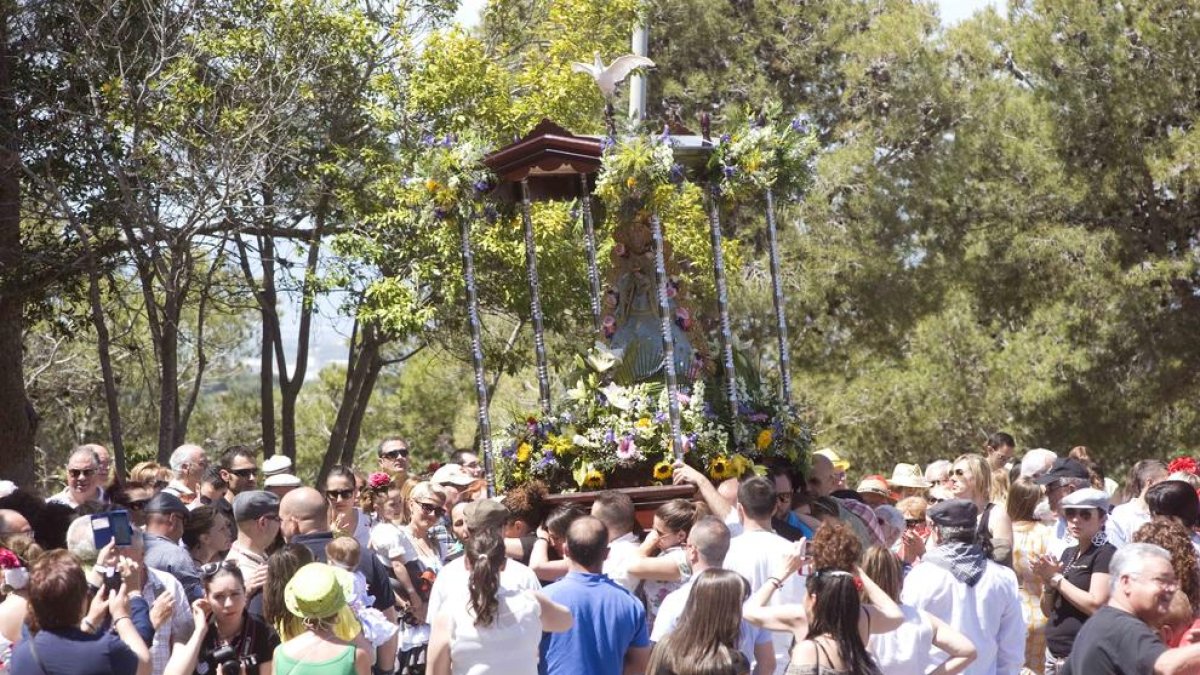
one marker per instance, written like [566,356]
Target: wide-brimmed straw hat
[908,476]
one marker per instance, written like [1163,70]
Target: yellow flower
[764,439]
[559,444]
[718,468]
[431,185]
[523,451]
[663,470]
[631,182]
[738,465]
[594,480]
[643,423]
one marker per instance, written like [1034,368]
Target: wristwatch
[1056,580]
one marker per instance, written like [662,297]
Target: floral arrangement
[639,171]
[611,435]
[1184,464]
[766,154]
[379,480]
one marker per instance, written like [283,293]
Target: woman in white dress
[489,629]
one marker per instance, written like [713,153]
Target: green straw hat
[314,592]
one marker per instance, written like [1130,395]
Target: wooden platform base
[645,499]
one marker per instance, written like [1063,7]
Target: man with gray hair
[957,583]
[1119,638]
[160,589]
[189,463]
[83,479]
[706,546]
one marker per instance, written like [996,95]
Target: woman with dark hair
[282,565]
[906,650]
[705,641]
[1177,500]
[1126,518]
[832,627]
[526,505]
[491,629]
[226,634]
[547,560]
[341,491]
[206,535]
[660,561]
[58,598]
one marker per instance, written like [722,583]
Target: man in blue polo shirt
[609,636]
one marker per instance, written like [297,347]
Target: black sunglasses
[77,473]
[243,473]
[339,494]
[432,510]
[1084,514]
[393,454]
[209,570]
[913,522]
[137,504]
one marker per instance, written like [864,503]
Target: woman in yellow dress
[1031,540]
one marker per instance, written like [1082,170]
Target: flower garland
[765,155]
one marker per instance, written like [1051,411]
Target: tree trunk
[112,402]
[16,413]
[362,371]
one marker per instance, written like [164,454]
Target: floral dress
[653,592]
[1030,541]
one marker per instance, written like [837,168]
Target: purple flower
[428,139]
[481,186]
[660,418]
[677,173]
[729,171]
[759,417]
[510,451]
[725,138]
[610,436]
[665,137]
[490,214]
[607,142]
[626,448]
[439,213]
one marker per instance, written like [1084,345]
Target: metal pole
[785,359]
[718,249]
[668,338]
[589,241]
[481,392]
[535,299]
[640,44]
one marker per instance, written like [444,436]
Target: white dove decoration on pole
[609,76]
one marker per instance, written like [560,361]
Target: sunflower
[718,468]
[594,480]
[663,470]
[523,451]
[764,439]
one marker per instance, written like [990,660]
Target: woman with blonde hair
[907,650]
[417,558]
[1031,541]
[705,641]
[971,479]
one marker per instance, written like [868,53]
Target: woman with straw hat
[315,596]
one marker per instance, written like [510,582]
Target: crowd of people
[986,564]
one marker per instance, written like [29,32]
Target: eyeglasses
[137,504]
[393,454]
[81,473]
[339,494]
[934,500]
[244,473]
[1165,584]
[913,522]
[432,510]
[1082,514]
[959,472]
[209,570]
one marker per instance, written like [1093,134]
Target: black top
[378,584]
[786,530]
[1113,642]
[1065,618]
[254,645]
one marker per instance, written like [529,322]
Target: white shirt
[507,647]
[1124,522]
[672,609]
[454,582]
[908,649]
[756,554]
[988,613]
[616,565]
[1060,538]
[67,497]
[178,629]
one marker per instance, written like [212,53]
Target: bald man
[12,524]
[304,520]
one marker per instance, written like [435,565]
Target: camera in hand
[226,658]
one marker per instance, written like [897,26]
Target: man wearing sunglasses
[83,479]
[393,457]
[239,468]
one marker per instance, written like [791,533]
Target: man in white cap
[277,470]
[189,462]
[453,480]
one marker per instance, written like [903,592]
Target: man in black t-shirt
[1118,638]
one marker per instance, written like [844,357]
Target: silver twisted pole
[785,360]
[722,283]
[668,338]
[535,300]
[589,241]
[481,392]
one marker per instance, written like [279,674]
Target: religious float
[664,381]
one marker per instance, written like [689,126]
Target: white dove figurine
[607,77]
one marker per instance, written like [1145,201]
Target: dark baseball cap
[1064,467]
[253,504]
[954,513]
[483,514]
[165,502]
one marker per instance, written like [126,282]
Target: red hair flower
[379,479]
[858,584]
[9,560]
[1184,464]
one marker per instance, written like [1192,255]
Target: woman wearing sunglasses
[971,479]
[341,491]
[417,558]
[1076,586]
